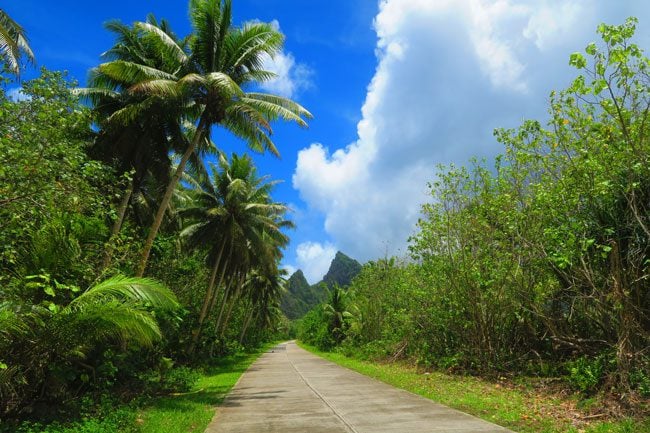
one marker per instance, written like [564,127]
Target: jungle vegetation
[131,247]
[535,264]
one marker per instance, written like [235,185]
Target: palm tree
[137,133]
[266,288]
[336,310]
[118,309]
[234,218]
[209,84]
[13,43]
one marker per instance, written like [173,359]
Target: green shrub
[585,374]
[179,379]
[640,380]
[314,329]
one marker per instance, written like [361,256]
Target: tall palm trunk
[223,274]
[231,304]
[117,225]
[247,322]
[225,291]
[235,297]
[153,231]
[224,303]
[204,308]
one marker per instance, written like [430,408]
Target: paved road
[290,390]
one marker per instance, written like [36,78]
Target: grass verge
[521,408]
[175,413]
[192,411]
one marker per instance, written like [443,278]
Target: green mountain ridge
[302,297]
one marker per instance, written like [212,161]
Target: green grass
[192,411]
[520,409]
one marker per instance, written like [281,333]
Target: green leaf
[49,290]
[599,86]
[577,60]
[591,49]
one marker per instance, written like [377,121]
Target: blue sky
[396,87]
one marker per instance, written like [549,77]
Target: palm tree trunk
[215,296]
[235,296]
[153,231]
[206,302]
[117,225]
[245,327]
[217,325]
[225,290]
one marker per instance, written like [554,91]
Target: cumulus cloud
[314,259]
[448,73]
[291,77]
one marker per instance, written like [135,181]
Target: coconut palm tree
[234,218]
[208,86]
[337,312]
[138,144]
[138,132]
[13,43]
[265,289]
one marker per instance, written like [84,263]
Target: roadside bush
[179,379]
[314,329]
[640,380]
[586,374]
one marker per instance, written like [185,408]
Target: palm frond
[223,84]
[130,72]
[238,122]
[274,111]
[249,45]
[285,103]
[168,45]
[115,320]
[13,43]
[128,289]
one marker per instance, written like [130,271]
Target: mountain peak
[301,297]
[342,270]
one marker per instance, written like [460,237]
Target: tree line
[129,243]
[539,263]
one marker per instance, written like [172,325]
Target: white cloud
[448,73]
[291,77]
[16,94]
[314,259]
[553,22]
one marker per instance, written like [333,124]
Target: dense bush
[313,329]
[539,263]
[90,194]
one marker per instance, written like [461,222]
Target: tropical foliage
[538,263]
[13,43]
[92,176]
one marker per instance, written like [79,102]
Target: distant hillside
[342,270]
[301,297]
[294,302]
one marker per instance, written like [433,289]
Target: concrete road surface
[290,390]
